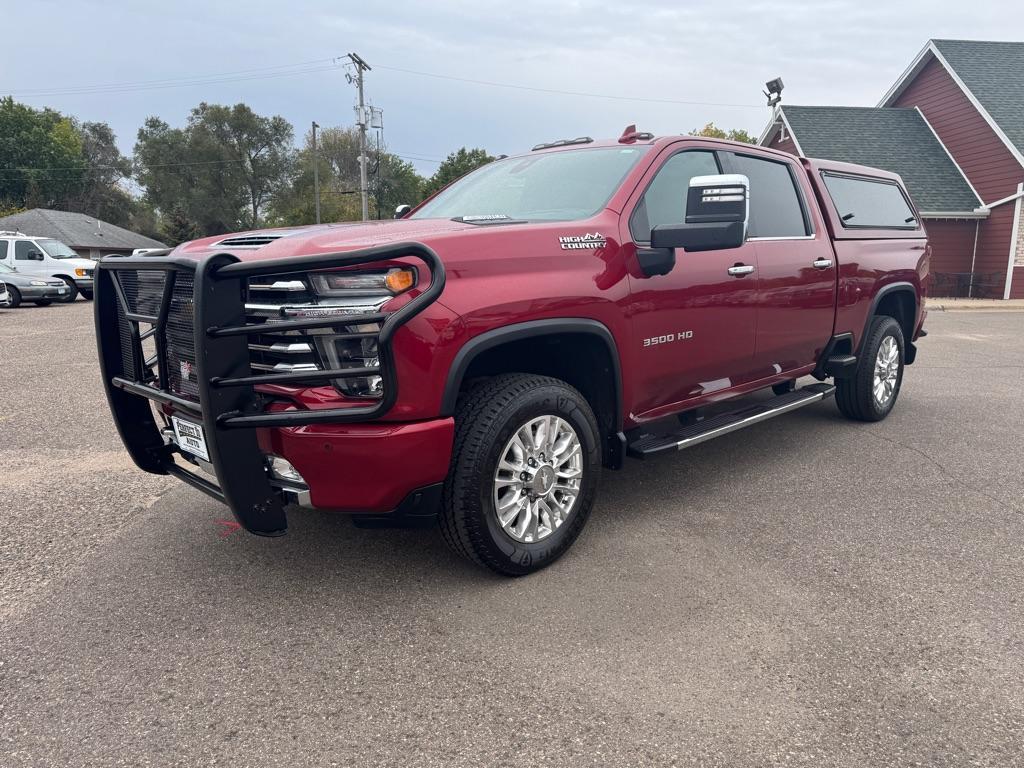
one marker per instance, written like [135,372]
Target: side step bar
[724,423]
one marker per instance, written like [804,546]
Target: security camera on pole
[361,121]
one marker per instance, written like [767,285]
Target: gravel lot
[808,592]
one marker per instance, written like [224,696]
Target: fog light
[282,469]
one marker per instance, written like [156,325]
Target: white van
[46,257]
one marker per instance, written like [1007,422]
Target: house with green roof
[952,125]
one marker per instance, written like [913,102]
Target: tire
[87,295]
[15,297]
[72,291]
[784,388]
[43,302]
[856,396]
[489,417]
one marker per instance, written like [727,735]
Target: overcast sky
[644,54]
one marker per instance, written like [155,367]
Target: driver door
[693,328]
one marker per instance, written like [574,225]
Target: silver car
[38,290]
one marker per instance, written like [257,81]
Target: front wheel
[871,392]
[524,472]
[87,295]
[72,290]
[43,303]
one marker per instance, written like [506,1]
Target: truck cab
[476,361]
[44,257]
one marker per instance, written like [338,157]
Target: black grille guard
[228,406]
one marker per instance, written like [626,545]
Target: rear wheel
[870,394]
[72,290]
[524,472]
[15,297]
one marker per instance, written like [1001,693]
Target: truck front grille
[181,346]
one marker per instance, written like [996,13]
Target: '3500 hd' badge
[588,241]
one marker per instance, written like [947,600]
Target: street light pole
[316,173]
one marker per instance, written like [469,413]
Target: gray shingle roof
[76,230]
[994,73]
[897,140]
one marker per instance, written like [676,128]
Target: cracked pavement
[807,592]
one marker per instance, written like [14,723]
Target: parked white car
[44,257]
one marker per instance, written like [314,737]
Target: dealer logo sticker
[588,241]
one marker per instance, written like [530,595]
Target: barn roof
[77,230]
[893,139]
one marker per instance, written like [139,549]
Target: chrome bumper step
[723,424]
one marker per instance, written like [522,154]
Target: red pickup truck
[477,361]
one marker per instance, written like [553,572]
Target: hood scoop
[253,241]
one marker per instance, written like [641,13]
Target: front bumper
[84,283]
[36,292]
[206,298]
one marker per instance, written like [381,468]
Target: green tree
[178,227]
[41,161]
[712,131]
[221,170]
[456,165]
[99,192]
[392,182]
[395,183]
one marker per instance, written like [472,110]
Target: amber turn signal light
[399,280]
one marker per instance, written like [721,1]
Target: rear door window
[865,202]
[776,209]
[3,250]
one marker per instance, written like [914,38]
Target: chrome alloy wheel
[887,368]
[539,476]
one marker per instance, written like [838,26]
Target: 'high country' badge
[582,242]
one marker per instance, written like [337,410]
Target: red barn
[953,127]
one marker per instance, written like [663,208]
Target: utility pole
[316,173]
[361,67]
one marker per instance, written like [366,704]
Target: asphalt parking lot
[808,592]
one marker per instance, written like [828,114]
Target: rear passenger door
[795,265]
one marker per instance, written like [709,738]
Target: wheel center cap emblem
[544,479]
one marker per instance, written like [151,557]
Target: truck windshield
[57,249]
[552,186]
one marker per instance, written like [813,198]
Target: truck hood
[325,238]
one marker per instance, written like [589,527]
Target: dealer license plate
[190,437]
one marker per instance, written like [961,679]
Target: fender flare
[530,329]
[885,290]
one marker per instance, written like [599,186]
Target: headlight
[37,282]
[79,272]
[392,281]
[354,353]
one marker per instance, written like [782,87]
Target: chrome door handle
[822,263]
[740,270]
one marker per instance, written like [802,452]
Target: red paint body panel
[364,467]
[746,333]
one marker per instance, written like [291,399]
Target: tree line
[227,169]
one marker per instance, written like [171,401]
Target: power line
[559,92]
[327,64]
[152,85]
